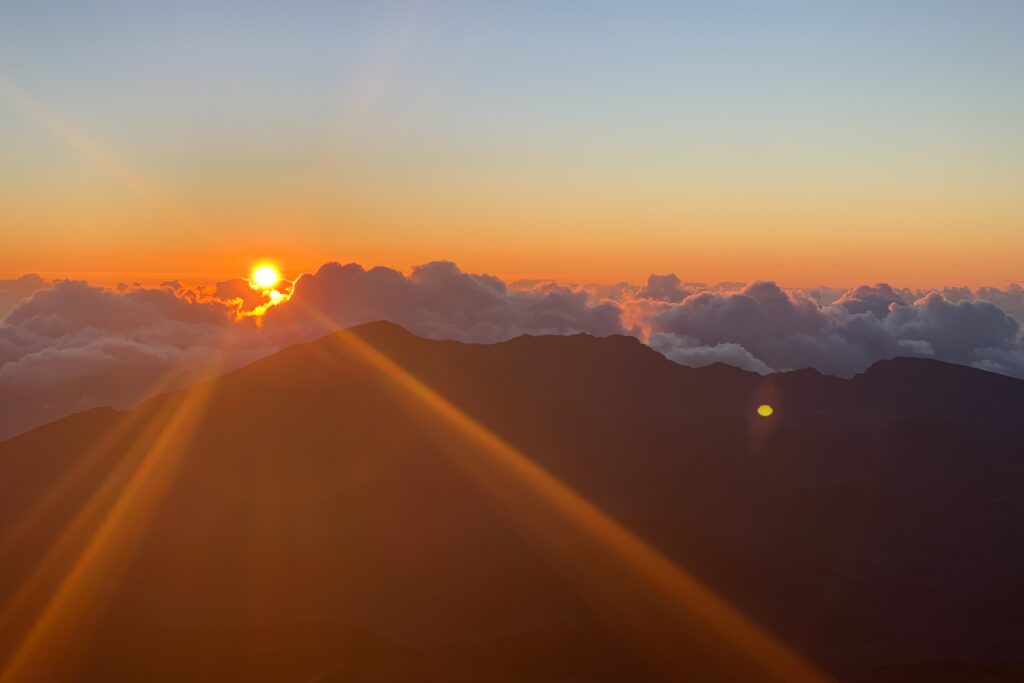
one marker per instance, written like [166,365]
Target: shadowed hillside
[313,517]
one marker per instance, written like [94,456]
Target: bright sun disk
[265,276]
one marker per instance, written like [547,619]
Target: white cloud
[688,351]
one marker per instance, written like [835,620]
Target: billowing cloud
[238,290]
[689,351]
[67,345]
[1010,299]
[664,288]
[74,346]
[13,291]
[791,329]
[877,299]
[439,301]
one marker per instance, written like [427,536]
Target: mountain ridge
[389,333]
[863,524]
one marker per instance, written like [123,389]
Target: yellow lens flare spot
[765,410]
[264,276]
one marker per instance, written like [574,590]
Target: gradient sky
[807,142]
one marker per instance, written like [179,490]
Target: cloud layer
[67,345]
[783,330]
[439,301]
[71,346]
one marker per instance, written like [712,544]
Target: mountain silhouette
[333,513]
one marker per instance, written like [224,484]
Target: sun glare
[265,276]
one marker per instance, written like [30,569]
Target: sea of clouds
[68,345]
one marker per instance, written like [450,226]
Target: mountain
[376,506]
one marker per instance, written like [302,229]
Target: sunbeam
[673,617]
[121,505]
[79,467]
[95,152]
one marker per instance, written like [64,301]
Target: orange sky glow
[894,164]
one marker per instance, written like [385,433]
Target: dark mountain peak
[903,364]
[378,330]
[802,372]
[912,367]
[618,343]
[618,339]
[386,334]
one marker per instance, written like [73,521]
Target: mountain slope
[310,517]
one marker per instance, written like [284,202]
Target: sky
[808,143]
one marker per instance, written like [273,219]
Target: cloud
[688,351]
[13,291]
[74,346]
[785,329]
[67,345]
[955,330]
[439,301]
[774,325]
[1010,300]
[877,299]
[664,288]
[239,291]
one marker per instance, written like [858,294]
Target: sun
[264,276]
[765,410]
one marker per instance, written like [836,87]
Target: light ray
[675,614]
[368,83]
[93,151]
[81,465]
[146,470]
[79,525]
